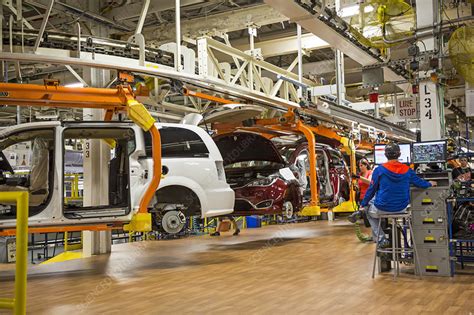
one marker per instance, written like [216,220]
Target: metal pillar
[252,34]
[300,60]
[177,55]
[427,15]
[340,81]
[96,157]
[2,63]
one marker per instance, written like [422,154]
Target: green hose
[361,236]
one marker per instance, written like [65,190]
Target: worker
[364,177]
[219,226]
[390,185]
[363,181]
[462,173]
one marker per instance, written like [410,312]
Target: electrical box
[372,77]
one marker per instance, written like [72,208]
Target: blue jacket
[391,186]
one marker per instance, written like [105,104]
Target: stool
[396,250]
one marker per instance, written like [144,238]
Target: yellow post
[18,303]
[76,185]
[351,204]
[66,243]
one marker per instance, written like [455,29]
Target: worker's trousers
[373,214]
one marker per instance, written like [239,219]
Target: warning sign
[406,108]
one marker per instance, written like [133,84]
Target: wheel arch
[191,196]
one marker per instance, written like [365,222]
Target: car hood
[245,146]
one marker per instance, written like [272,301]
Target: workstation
[244,156]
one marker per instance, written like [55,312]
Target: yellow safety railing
[18,302]
[73,179]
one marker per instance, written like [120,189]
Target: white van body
[193,183]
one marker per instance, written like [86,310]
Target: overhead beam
[296,13]
[286,45]
[228,21]
[39,39]
[337,114]
[66,11]
[129,11]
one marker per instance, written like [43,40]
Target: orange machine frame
[113,100]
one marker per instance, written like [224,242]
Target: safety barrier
[18,302]
[75,192]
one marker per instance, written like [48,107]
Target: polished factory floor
[315,267]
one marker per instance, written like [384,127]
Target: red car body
[333,172]
[258,174]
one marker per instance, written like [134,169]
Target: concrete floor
[315,267]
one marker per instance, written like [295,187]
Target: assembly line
[245,156]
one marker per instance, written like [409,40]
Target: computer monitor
[380,158]
[429,152]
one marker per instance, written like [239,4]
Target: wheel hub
[288,209]
[173,221]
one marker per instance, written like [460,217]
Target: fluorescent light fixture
[349,11]
[47,117]
[353,9]
[368,9]
[75,85]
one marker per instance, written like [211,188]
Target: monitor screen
[429,152]
[405,156]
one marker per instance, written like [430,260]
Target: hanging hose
[361,236]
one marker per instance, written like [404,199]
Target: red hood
[396,167]
[246,146]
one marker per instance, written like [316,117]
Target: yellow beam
[7,303]
[21,270]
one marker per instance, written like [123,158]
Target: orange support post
[155,181]
[313,180]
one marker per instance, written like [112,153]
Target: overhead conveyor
[234,87]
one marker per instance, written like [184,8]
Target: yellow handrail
[18,303]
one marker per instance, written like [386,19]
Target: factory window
[178,143]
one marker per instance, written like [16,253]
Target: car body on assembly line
[256,171]
[193,182]
[332,170]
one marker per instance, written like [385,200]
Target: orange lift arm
[205,96]
[119,99]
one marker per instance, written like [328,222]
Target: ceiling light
[352,10]
[349,11]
